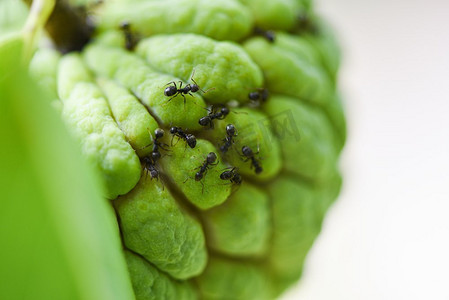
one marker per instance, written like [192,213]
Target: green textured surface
[44,69]
[275,15]
[306,136]
[87,114]
[151,284]
[228,279]
[303,80]
[296,222]
[326,46]
[146,84]
[183,163]
[131,116]
[241,226]
[224,66]
[218,19]
[157,228]
[254,130]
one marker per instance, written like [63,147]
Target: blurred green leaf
[59,237]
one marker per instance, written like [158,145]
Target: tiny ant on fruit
[261,95]
[155,153]
[150,167]
[208,162]
[213,115]
[248,153]
[229,139]
[269,35]
[172,90]
[232,175]
[189,138]
[130,39]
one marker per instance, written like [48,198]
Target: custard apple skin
[210,238]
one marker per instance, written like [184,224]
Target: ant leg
[209,89]
[168,101]
[164,146]
[193,74]
[177,141]
[174,83]
[144,147]
[184,101]
[202,188]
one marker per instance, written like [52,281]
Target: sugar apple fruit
[216,128]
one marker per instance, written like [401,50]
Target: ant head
[198,176]
[158,133]
[258,170]
[211,158]
[173,130]
[254,96]
[226,175]
[155,155]
[170,90]
[204,121]
[191,140]
[194,88]
[247,151]
[230,130]
[225,111]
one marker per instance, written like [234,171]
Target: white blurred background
[387,237]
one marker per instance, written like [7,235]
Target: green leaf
[59,237]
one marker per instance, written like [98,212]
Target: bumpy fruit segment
[240,225]
[87,113]
[156,227]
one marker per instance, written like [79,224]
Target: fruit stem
[39,13]
[68,27]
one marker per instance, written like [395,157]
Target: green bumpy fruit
[208,238]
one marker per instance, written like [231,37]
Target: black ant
[213,115]
[189,138]
[232,175]
[269,35]
[210,161]
[305,24]
[130,39]
[155,153]
[260,95]
[229,139]
[150,167]
[248,153]
[173,90]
